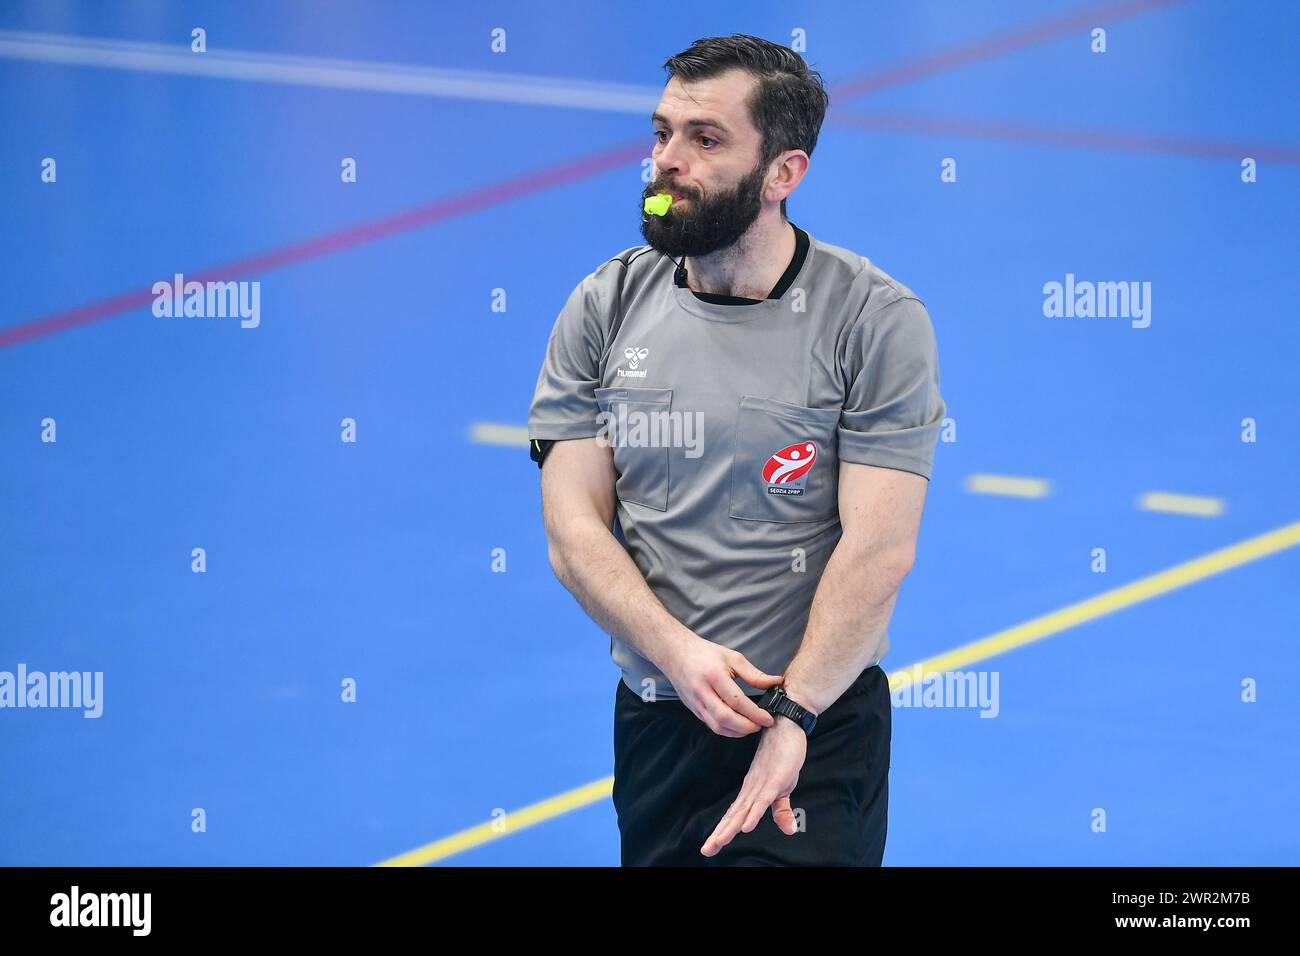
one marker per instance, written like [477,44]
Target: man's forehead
[717,101]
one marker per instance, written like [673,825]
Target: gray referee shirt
[728,418]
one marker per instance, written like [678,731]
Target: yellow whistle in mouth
[658,205]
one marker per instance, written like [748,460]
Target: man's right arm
[578,502]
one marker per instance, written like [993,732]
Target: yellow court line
[1143,589]
[512,822]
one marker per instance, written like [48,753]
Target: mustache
[668,188]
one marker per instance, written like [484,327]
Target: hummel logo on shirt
[634,358]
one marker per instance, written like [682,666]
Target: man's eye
[660,133]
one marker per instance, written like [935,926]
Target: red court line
[989,47]
[345,238]
[1069,138]
[427,214]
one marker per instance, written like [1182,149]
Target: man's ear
[792,166]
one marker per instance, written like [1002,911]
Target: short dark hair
[789,102]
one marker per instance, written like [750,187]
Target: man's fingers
[747,710]
[784,816]
[745,814]
[725,721]
[756,810]
[727,827]
[737,724]
[751,675]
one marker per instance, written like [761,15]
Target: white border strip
[492,433]
[368,76]
[1175,504]
[1007,485]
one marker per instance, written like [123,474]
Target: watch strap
[778,702]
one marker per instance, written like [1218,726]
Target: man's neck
[750,268]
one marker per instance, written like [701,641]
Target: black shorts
[674,779]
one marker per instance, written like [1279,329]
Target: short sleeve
[564,400]
[892,406]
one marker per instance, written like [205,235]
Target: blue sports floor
[479,691]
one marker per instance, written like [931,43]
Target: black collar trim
[782,285]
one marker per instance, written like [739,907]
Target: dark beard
[699,227]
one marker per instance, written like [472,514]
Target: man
[735,424]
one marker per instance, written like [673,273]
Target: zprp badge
[786,472]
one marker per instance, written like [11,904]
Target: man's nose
[670,161]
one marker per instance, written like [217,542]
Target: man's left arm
[888,428]
[890,421]
[880,509]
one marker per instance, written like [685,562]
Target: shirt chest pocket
[636,422]
[784,467]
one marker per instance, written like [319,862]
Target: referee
[735,424]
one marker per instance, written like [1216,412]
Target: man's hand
[771,779]
[703,675]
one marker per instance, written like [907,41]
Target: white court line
[491,433]
[1007,485]
[1173,504]
[369,76]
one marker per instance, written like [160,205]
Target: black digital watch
[776,701]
